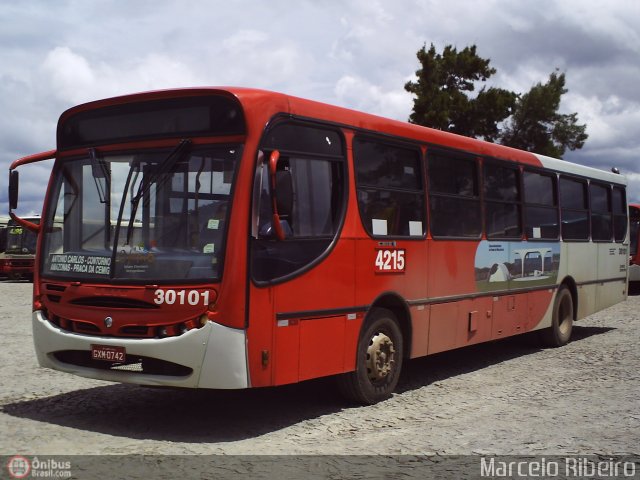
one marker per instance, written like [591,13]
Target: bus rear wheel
[378,360]
[562,320]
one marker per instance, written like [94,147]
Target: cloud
[610,120]
[74,79]
[354,53]
[34,179]
[633,189]
[69,74]
[361,95]
[267,60]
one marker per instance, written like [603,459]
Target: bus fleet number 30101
[181,297]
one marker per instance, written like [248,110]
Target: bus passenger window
[619,214]
[574,209]
[390,193]
[502,201]
[454,196]
[541,206]
[601,221]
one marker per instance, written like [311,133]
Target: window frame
[454,155]
[609,211]
[585,184]
[625,210]
[265,147]
[526,205]
[420,175]
[494,162]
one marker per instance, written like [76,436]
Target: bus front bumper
[213,356]
[16,267]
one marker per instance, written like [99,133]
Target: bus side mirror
[14,180]
[281,194]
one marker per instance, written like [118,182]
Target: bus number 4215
[390,261]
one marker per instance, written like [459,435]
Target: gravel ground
[501,398]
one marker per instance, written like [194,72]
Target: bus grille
[20,263]
[132,331]
[113,302]
[134,364]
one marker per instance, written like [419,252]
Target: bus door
[302,274]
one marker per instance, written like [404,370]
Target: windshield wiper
[99,171]
[102,178]
[145,184]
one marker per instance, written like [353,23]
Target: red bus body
[443,291]
[634,234]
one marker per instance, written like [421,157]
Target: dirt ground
[502,398]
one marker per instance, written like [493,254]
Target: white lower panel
[216,354]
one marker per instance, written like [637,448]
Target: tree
[529,121]
[537,126]
[441,100]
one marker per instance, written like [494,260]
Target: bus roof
[270,103]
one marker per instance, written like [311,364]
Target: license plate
[108,353]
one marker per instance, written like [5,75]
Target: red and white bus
[3,235]
[634,241]
[231,238]
[18,248]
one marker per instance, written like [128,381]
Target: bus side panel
[474,321]
[540,308]
[451,268]
[286,352]
[577,261]
[509,315]
[321,347]
[612,263]
[634,243]
[461,323]
[260,336]
[419,330]
[312,344]
[410,284]
[442,327]
[451,272]
[407,285]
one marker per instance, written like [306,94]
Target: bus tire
[378,360]
[562,320]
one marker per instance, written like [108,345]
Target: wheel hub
[380,357]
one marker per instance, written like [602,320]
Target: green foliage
[530,121]
[441,100]
[537,126]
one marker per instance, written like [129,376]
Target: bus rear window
[213,115]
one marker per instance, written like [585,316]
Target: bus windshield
[152,215]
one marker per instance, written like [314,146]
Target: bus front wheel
[562,321]
[378,360]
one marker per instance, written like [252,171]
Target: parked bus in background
[233,238]
[3,238]
[17,256]
[634,241]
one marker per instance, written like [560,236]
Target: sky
[352,53]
